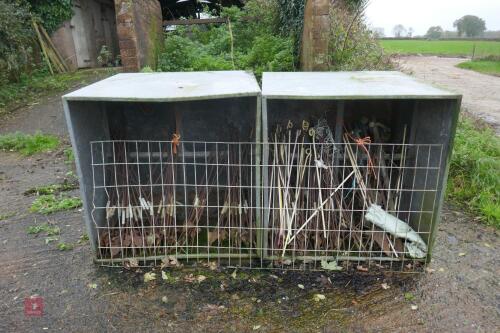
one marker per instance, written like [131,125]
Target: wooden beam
[195,21]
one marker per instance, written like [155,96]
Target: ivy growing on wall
[291,20]
[52,13]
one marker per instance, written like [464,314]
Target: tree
[398,30]
[410,32]
[434,32]
[470,25]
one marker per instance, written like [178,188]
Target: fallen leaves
[385,286]
[148,277]
[330,266]
[170,261]
[131,263]
[362,268]
[190,278]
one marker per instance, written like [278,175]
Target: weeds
[474,181]
[49,230]
[83,239]
[50,203]
[6,216]
[69,155]
[253,43]
[51,189]
[40,83]
[65,246]
[28,144]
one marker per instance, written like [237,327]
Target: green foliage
[434,32]
[32,86]
[48,229]
[51,189]
[470,25]
[291,21]
[474,180]
[52,13]
[482,66]
[48,204]
[69,155]
[256,44]
[16,39]
[105,57]
[352,46]
[6,216]
[65,246]
[409,297]
[28,144]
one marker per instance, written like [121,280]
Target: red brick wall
[139,26]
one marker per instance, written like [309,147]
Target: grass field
[442,47]
[482,66]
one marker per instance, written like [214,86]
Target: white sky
[421,14]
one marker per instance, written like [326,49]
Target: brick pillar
[139,28]
[314,48]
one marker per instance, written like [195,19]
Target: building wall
[139,28]
[80,40]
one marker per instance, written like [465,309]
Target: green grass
[65,246]
[28,144]
[48,204]
[474,180]
[442,47]
[51,189]
[40,83]
[6,216]
[49,230]
[491,67]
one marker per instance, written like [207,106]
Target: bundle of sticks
[175,205]
[329,198]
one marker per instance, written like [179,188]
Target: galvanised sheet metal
[169,87]
[348,86]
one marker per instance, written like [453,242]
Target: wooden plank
[195,21]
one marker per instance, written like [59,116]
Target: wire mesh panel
[189,200]
[324,203]
[354,202]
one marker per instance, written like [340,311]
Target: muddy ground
[480,91]
[459,293]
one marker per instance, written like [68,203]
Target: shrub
[474,180]
[16,39]
[352,46]
[253,45]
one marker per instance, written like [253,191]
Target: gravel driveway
[481,92]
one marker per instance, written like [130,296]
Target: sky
[421,14]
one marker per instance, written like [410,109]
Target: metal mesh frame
[200,201]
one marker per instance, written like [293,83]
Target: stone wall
[139,28]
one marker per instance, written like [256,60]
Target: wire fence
[308,205]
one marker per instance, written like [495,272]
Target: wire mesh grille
[317,206]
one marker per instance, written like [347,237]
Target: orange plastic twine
[362,142]
[175,142]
